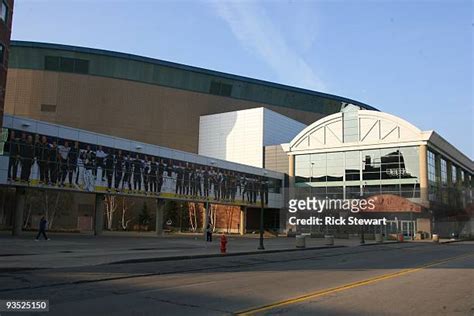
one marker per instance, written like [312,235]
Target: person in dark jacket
[153,175]
[53,160]
[72,162]
[27,153]
[127,167]
[42,159]
[209,233]
[137,173]
[109,168]
[160,175]
[179,178]
[119,161]
[43,224]
[14,152]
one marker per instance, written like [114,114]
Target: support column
[243,220]
[290,193]
[160,209]
[99,214]
[205,218]
[424,175]
[291,171]
[20,197]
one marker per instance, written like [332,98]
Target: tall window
[454,174]
[4,12]
[2,53]
[431,167]
[444,181]
[444,172]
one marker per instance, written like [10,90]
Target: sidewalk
[76,250]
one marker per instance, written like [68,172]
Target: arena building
[421,182]
[140,98]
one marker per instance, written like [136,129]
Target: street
[391,279]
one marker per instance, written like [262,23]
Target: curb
[453,241]
[218,255]
[382,243]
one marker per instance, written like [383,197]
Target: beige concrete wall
[133,110]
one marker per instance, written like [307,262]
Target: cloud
[256,31]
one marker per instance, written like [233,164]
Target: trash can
[435,238]
[329,240]
[378,238]
[300,241]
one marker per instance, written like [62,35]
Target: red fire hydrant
[223,243]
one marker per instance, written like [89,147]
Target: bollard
[329,240]
[435,238]
[300,241]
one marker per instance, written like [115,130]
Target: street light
[362,236]
[261,246]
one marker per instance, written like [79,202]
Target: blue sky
[413,59]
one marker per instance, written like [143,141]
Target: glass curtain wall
[362,172]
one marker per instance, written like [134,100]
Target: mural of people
[41,160]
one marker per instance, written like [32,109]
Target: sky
[413,59]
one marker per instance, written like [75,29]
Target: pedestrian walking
[209,233]
[42,228]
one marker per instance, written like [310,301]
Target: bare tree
[51,208]
[125,207]
[230,215]
[213,217]
[192,209]
[110,209]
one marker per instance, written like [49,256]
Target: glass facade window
[431,167]
[4,12]
[352,165]
[66,64]
[334,167]
[2,53]
[432,179]
[375,171]
[454,174]
[444,172]
[444,181]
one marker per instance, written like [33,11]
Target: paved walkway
[75,250]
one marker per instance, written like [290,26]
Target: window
[51,63]
[2,53]
[66,64]
[453,174]
[432,180]
[444,172]
[431,167]
[220,88]
[4,12]
[48,108]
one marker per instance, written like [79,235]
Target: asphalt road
[395,279]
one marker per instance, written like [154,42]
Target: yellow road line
[348,286]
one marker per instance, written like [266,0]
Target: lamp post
[362,236]
[412,224]
[261,246]
[311,191]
